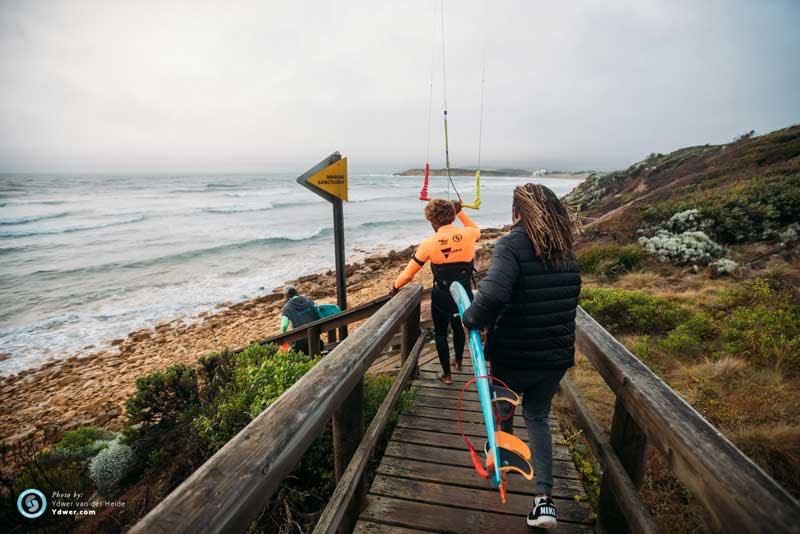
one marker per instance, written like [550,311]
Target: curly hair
[549,224]
[440,212]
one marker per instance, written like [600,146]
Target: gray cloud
[254,86]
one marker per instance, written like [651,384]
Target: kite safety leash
[473,454]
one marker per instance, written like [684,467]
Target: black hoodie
[300,310]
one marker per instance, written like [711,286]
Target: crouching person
[528,301]
[297,311]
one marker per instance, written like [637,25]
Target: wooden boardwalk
[426,483]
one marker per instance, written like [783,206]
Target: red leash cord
[476,461]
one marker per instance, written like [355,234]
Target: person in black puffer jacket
[527,301]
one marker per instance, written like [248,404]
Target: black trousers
[445,313]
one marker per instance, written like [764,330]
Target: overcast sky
[121,86]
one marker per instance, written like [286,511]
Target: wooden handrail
[229,491]
[738,494]
[624,489]
[334,513]
[325,324]
[332,322]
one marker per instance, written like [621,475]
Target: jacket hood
[298,303]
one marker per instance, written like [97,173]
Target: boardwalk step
[445,519]
[472,499]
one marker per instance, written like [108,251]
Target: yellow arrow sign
[332,179]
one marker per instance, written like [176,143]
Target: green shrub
[749,293]
[161,396]
[611,260]
[766,335]
[688,338]
[739,211]
[85,441]
[634,312]
[253,379]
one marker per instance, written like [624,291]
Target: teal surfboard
[482,382]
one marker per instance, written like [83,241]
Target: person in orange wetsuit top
[451,251]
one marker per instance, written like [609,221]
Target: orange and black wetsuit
[451,251]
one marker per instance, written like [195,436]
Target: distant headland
[467,172]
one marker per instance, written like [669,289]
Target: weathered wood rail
[738,495]
[424,482]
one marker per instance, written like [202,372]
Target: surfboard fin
[514,455]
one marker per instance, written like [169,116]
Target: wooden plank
[454,441]
[725,481]
[449,457]
[465,373]
[453,390]
[470,416]
[627,494]
[443,393]
[348,427]
[391,364]
[420,399]
[474,499]
[368,527]
[394,365]
[342,509]
[409,333]
[229,490]
[466,477]
[450,427]
[473,431]
[451,416]
[314,341]
[445,519]
[630,446]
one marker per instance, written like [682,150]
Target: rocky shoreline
[41,403]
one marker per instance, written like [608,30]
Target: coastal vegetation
[177,418]
[691,260]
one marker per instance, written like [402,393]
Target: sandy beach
[91,387]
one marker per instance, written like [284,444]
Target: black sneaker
[543,514]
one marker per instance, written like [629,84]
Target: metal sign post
[328,179]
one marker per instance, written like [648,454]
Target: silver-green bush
[687,248]
[110,466]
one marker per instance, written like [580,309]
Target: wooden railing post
[331,336]
[630,444]
[314,347]
[409,333]
[348,429]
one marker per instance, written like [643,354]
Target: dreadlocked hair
[549,224]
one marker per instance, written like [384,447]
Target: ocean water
[88,258]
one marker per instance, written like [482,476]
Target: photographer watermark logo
[31,503]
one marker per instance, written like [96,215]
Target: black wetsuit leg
[459,339]
[445,313]
[441,314]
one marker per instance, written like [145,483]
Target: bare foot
[445,379]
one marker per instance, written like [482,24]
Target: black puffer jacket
[529,305]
